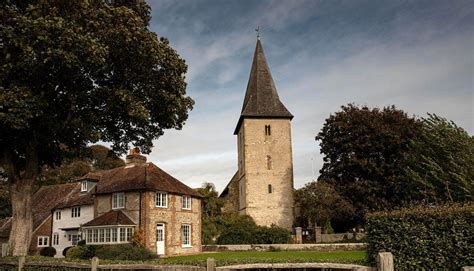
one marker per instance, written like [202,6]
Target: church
[262,187]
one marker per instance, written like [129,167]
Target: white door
[160,239]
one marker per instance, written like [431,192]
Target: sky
[416,55]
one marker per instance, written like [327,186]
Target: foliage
[243,230]
[441,164]
[77,72]
[138,239]
[319,202]
[96,157]
[424,238]
[365,153]
[48,251]
[5,205]
[127,252]
[211,212]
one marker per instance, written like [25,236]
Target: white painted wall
[66,221]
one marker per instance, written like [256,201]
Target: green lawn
[231,258]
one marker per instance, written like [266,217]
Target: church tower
[264,180]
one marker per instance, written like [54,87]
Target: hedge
[111,252]
[423,238]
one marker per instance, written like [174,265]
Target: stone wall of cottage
[173,217]
[42,230]
[257,148]
[103,204]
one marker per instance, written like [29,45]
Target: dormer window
[84,186]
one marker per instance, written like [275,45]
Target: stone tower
[263,185]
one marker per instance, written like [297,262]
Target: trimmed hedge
[423,238]
[127,252]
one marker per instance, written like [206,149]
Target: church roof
[261,98]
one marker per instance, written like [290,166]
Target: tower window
[268,130]
[269,162]
[269,189]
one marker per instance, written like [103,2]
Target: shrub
[48,252]
[423,238]
[111,252]
[243,230]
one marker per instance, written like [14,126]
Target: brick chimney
[134,157]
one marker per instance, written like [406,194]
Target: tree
[76,72]
[365,154]
[211,212]
[319,202]
[441,163]
[96,157]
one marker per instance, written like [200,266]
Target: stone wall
[231,197]
[173,217]
[258,148]
[268,247]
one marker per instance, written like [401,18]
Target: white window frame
[186,202]
[58,215]
[43,241]
[55,239]
[186,235]
[75,212]
[118,200]
[84,186]
[109,235]
[159,202]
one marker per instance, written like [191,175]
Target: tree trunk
[21,192]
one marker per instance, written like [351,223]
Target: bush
[111,252]
[243,230]
[48,252]
[423,238]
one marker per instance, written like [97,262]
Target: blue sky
[417,55]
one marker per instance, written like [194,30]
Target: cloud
[322,55]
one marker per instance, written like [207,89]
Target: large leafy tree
[441,163]
[319,202]
[75,72]
[365,154]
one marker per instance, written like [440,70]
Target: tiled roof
[141,177]
[112,217]
[261,97]
[76,198]
[43,201]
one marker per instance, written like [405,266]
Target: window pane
[107,235]
[114,235]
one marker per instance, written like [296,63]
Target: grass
[247,257]
[233,258]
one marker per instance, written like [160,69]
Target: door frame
[163,226]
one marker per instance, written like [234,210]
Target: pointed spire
[261,97]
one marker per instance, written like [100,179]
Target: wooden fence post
[211,264]
[385,261]
[21,263]
[94,263]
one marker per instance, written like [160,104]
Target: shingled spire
[261,98]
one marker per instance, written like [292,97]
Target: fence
[384,263]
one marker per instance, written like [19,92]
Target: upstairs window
[161,199]
[268,130]
[58,215]
[84,186]
[270,189]
[76,212]
[118,200]
[186,202]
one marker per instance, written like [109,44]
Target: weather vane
[258,31]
